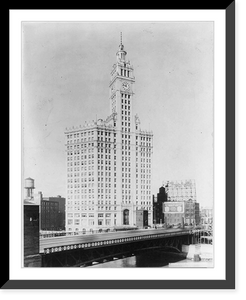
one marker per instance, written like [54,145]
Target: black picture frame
[229,282]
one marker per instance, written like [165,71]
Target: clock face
[125,86]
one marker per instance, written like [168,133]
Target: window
[76,222]
[108,222]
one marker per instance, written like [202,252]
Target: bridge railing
[72,233]
[85,232]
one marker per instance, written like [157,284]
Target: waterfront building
[51,209]
[180,190]
[109,161]
[181,212]
[142,218]
[31,225]
[30,233]
[197,213]
[181,206]
[53,213]
[174,212]
[206,216]
[158,213]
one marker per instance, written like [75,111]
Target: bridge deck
[52,242]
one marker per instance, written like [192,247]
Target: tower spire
[121,47]
[121,53]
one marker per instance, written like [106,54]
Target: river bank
[199,255]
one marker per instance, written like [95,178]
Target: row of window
[106,133]
[143,138]
[80,140]
[105,144]
[90,196]
[91,191]
[78,146]
[105,150]
[82,163]
[125,96]
[125,129]
[142,171]
[143,165]
[82,151]
[125,101]
[85,215]
[126,107]
[76,135]
[89,208]
[143,198]
[80,208]
[83,174]
[143,144]
[77,185]
[84,168]
[125,113]
[89,134]
[144,190]
[105,139]
[124,72]
[124,174]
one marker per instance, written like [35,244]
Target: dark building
[31,235]
[61,211]
[197,213]
[49,215]
[158,213]
[53,213]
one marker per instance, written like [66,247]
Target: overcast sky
[65,78]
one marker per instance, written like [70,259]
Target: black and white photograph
[117,144]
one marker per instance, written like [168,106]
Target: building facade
[52,213]
[174,212]
[181,206]
[109,161]
[158,201]
[206,215]
[180,190]
[182,212]
[142,218]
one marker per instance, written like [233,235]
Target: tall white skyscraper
[109,161]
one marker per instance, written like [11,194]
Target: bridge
[85,250]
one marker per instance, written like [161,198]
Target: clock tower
[114,185]
[121,89]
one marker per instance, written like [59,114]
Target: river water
[147,259]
